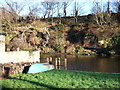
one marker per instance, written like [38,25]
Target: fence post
[59,63]
[65,64]
[47,60]
[56,63]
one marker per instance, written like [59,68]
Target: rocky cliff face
[62,38]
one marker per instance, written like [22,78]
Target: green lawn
[63,79]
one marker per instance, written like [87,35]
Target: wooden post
[47,60]
[56,63]
[3,70]
[65,64]
[51,59]
[50,62]
[59,63]
[18,49]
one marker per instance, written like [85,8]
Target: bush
[58,48]
[75,28]
[39,34]
[59,26]
[116,42]
[30,49]
[79,49]
[32,28]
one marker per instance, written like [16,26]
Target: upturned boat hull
[36,68]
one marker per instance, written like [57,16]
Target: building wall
[2,47]
[16,56]
[2,42]
[20,56]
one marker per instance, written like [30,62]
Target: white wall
[16,56]
[2,42]
[20,56]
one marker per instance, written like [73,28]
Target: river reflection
[87,63]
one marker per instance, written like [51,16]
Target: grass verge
[63,79]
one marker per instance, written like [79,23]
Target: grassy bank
[63,79]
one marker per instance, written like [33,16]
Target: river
[86,63]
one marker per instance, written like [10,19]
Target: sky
[86,5]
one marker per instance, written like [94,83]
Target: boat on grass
[36,68]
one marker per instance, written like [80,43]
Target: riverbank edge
[56,70]
[83,54]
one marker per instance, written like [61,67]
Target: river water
[86,63]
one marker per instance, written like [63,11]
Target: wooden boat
[36,68]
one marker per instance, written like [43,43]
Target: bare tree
[65,6]
[59,6]
[34,10]
[108,7]
[14,8]
[77,10]
[45,10]
[97,10]
[49,8]
[10,12]
[5,16]
[117,6]
[100,16]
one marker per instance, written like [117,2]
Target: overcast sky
[86,4]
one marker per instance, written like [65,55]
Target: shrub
[79,49]
[59,26]
[30,49]
[58,48]
[39,34]
[116,42]
[76,28]
[32,28]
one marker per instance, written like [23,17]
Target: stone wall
[10,69]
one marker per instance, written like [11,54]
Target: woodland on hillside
[61,33]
